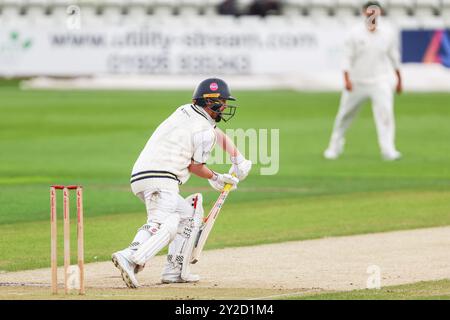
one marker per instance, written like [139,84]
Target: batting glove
[218,181]
[241,167]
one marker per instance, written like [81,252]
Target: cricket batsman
[179,146]
[371,55]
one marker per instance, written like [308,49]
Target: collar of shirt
[205,114]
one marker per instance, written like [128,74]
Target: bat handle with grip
[228,186]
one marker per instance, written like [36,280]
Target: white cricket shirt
[371,57]
[188,134]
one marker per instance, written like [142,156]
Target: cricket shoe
[172,274]
[126,268]
[191,278]
[334,151]
[392,156]
[330,154]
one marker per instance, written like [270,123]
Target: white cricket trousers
[382,98]
[161,203]
[162,206]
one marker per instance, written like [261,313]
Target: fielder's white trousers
[382,98]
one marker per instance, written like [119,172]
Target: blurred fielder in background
[370,56]
[180,146]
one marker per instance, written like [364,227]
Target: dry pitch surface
[267,271]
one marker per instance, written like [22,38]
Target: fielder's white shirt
[187,135]
[371,57]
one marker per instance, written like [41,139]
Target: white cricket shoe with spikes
[172,274]
[122,261]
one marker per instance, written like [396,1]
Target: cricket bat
[208,224]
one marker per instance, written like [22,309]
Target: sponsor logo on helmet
[213,86]
[211,95]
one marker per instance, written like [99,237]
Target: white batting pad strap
[156,242]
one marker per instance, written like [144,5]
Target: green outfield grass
[424,290]
[93,138]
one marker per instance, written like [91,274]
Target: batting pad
[156,242]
